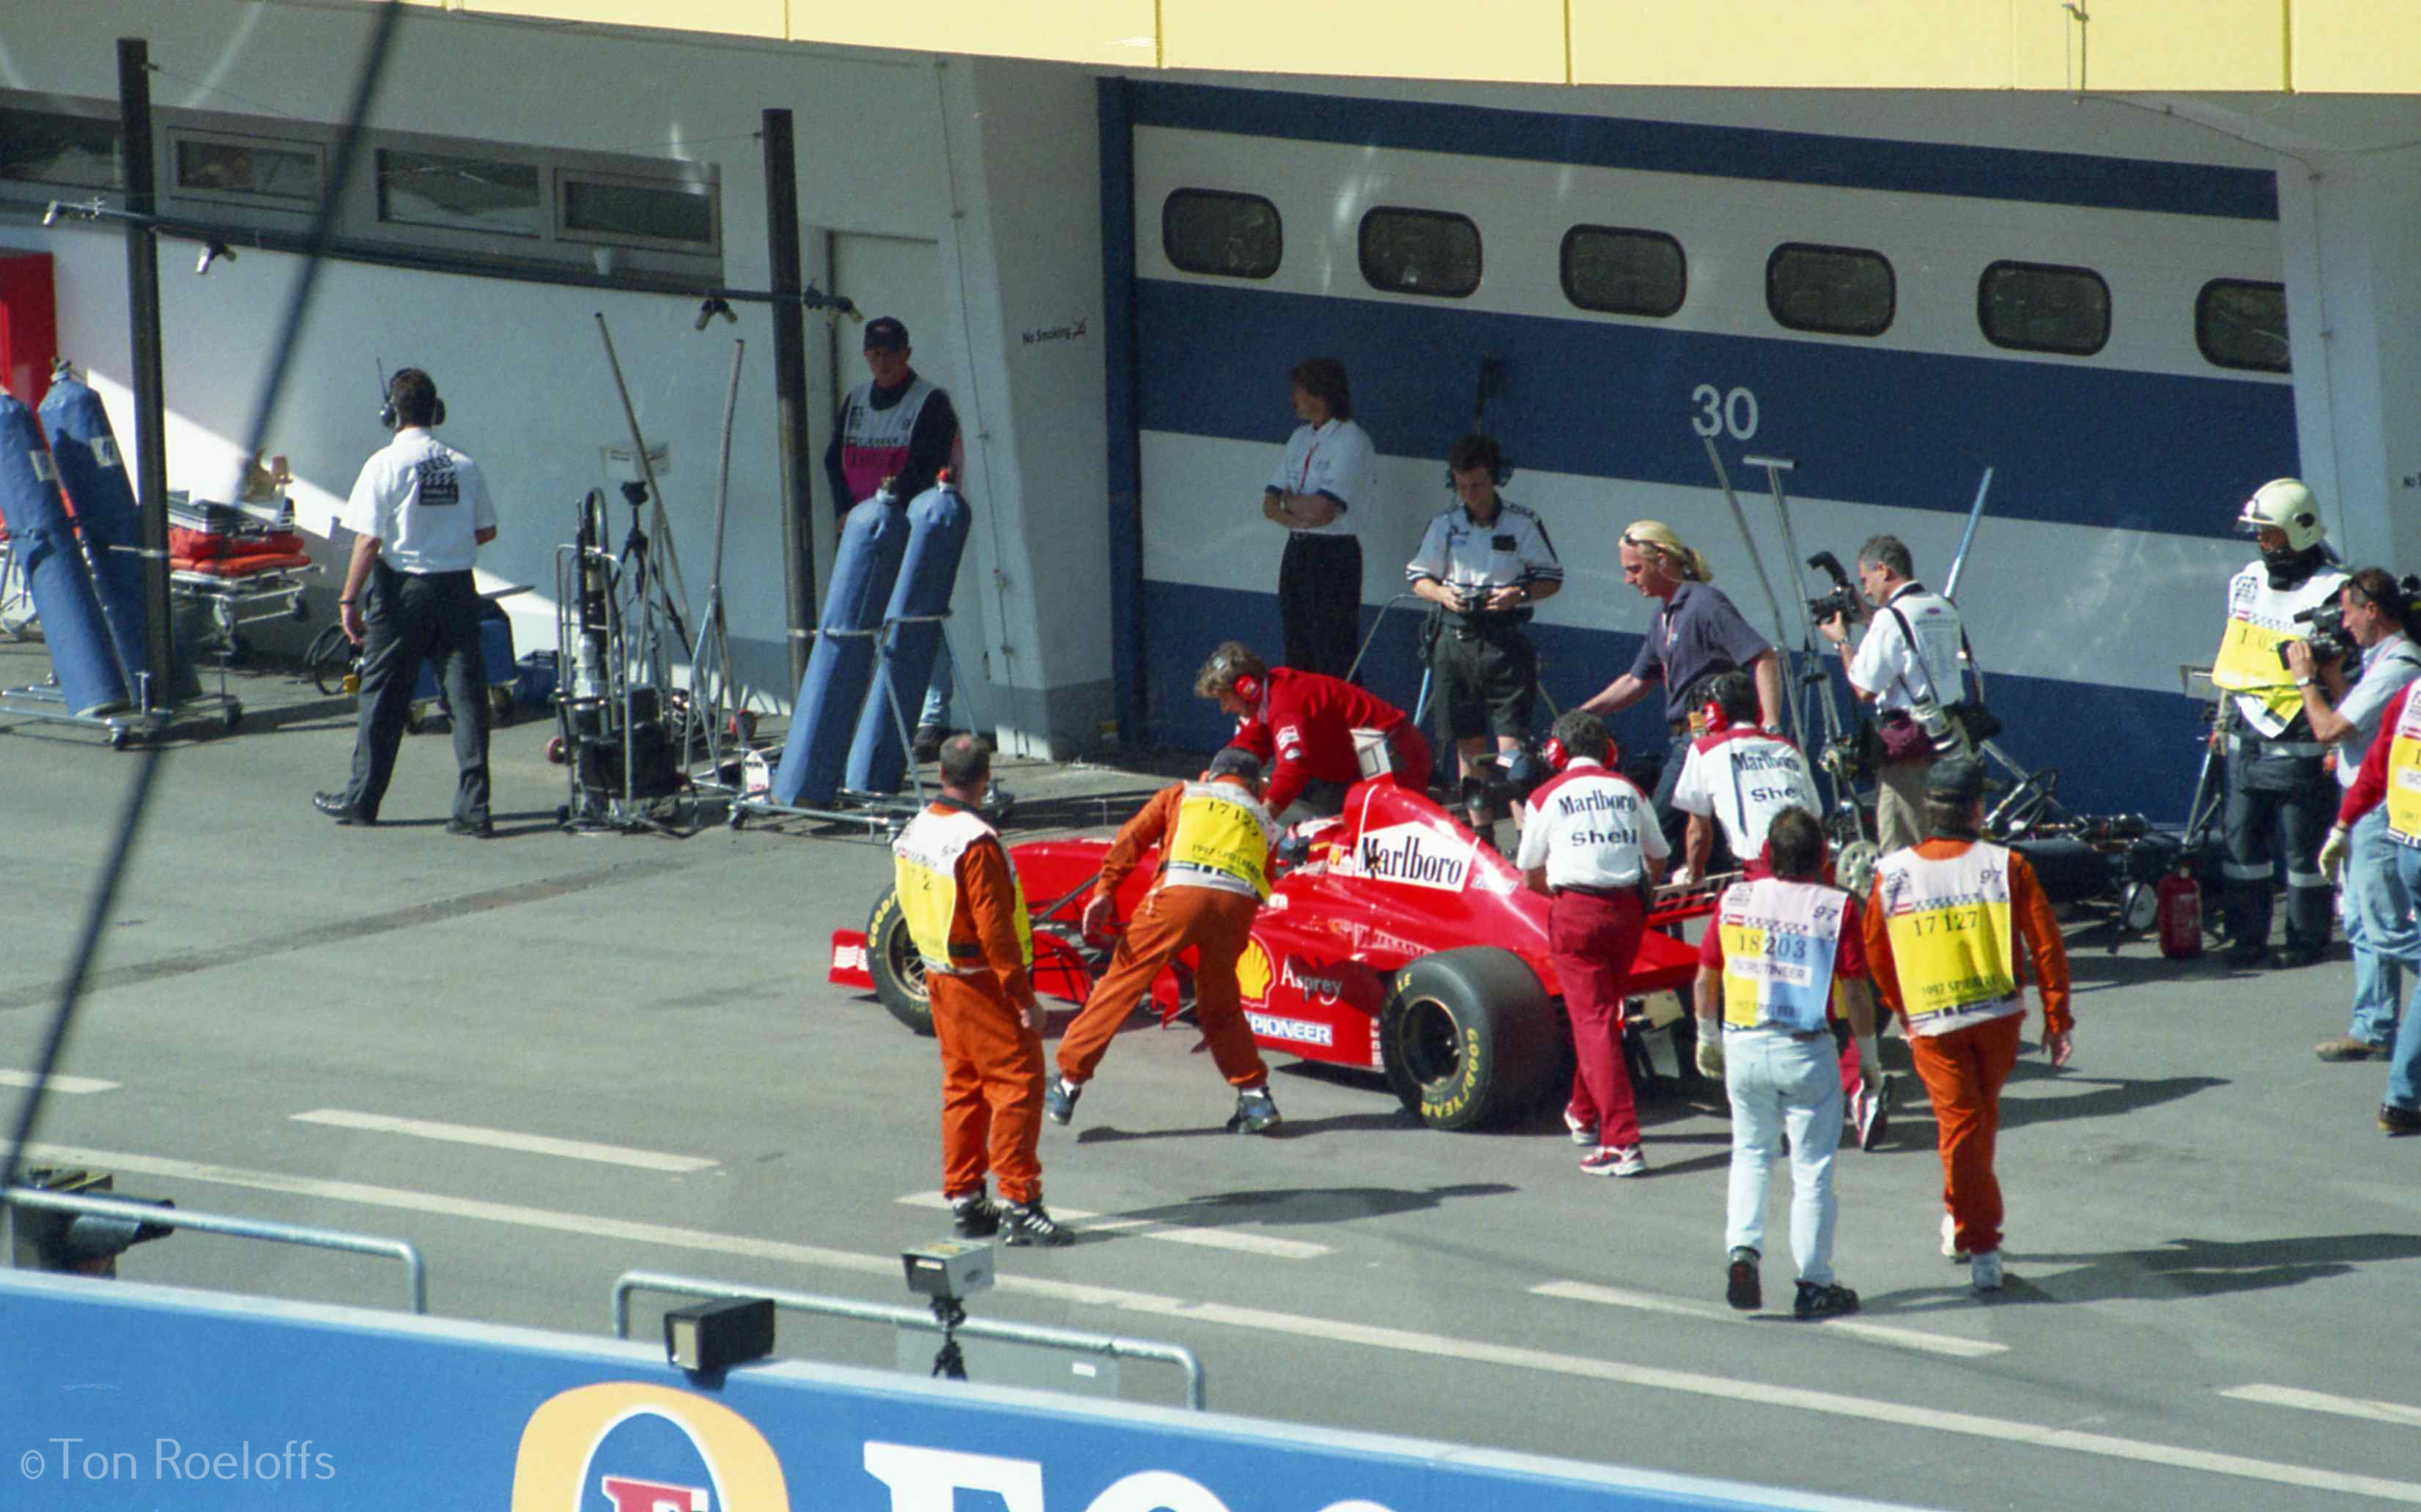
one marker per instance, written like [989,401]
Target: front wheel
[1469,1038]
[898,971]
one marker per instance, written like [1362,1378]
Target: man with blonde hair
[1696,636]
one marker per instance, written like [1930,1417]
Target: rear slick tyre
[1469,1038]
[898,971]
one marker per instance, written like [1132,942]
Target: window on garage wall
[1624,272]
[2239,324]
[448,190]
[250,170]
[1842,292]
[2033,306]
[633,211]
[1222,234]
[1420,252]
[58,148]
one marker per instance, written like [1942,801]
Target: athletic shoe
[1950,1250]
[926,744]
[975,1216]
[336,806]
[1607,1159]
[474,829]
[1257,1112]
[1026,1223]
[1985,1271]
[1824,1301]
[2347,1047]
[1059,1096]
[2395,1120]
[1583,1133]
[1871,1113]
[1741,1286]
[2295,953]
[2247,954]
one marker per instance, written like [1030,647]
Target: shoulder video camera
[2328,638]
[1842,601]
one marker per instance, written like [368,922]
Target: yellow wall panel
[2357,46]
[1119,33]
[1520,40]
[730,18]
[1886,45]
[2208,45]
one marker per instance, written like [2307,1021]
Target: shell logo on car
[1252,972]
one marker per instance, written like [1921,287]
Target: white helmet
[2286,504]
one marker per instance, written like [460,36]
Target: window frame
[1168,246]
[2286,365]
[1564,269]
[22,103]
[178,134]
[1890,278]
[1983,303]
[704,184]
[1362,251]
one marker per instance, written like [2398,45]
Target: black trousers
[410,618]
[1319,602]
[2278,807]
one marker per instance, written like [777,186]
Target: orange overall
[1963,1066]
[1211,915]
[992,1061]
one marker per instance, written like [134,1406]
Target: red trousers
[992,1088]
[1963,1071]
[1169,920]
[1592,940]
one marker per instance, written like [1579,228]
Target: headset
[391,420]
[1558,755]
[1500,472]
[1716,719]
[1248,687]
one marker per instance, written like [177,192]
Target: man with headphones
[2279,794]
[1484,562]
[419,513]
[1304,725]
[1740,777]
[1590,842]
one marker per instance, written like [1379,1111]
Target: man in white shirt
[419,513]
[1591,843]
[1906,666]
[1330,469]
[1739,776]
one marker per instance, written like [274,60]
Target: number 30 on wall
[1733,413]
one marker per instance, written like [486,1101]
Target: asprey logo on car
[1301,1030]
[1410,853]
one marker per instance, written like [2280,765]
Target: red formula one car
[1399,943]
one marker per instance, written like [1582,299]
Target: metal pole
[1757,564]
[416,1269]
[150,407]
[790,385]
[1967,536]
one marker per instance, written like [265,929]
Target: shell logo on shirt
[1254,972]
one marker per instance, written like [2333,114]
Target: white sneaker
[1583,1133]
[1985,1271]
[1950,1250]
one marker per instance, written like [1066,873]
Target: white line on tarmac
[504,1139]
[71,1085]
[2323,1402]
[1905,1338]
[1291,1325]
[1213,1238]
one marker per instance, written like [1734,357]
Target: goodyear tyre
[898,971]
[1469,1038]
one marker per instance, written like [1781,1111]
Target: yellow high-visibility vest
[1220,840]
[1780,940]
[1951,933]
[924,868]
[2261,618]
[2404,775]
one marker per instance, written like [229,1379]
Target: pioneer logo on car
[1270,1026]
[1413,854]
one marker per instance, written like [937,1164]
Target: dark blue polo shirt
[1695,636]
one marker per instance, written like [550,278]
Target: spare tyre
[1468,1038]
[898,971]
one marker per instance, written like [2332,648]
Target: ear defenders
[392,421]
[1248,687]
[1558,755]
[1716,718]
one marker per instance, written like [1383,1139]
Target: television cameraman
[2371,611]
[1906,665]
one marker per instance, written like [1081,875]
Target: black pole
[143,316]
[791,384]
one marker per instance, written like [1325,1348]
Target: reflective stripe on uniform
[2238,871]
[924,868]
[2306,879]
[1221,840]
[2260,618]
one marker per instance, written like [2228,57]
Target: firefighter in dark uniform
[1484,562]
[2278,791]
[419,513]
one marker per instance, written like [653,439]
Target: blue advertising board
[144,1397]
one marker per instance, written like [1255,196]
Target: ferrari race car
[1399,943]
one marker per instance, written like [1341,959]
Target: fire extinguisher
[2180,915]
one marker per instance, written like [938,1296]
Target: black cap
[885,331]
[1234,761]
[1955,780]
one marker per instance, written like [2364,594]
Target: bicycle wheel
[329,659]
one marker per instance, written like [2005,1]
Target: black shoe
[975,1216]
[927,745]
[2246,954]
[1059,1096]
[1826,1300]
[2298,954]
[2395,1120]
[1741,1286]
[1026,1223]
[1257,1112]
[476,829]
[336,806]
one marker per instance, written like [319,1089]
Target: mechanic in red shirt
[1303,724]
[2390,774]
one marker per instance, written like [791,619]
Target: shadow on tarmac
[2180,1269]
[1308,1205]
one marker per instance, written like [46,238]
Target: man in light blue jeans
[1770,968]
